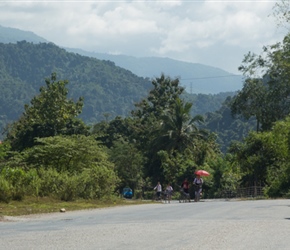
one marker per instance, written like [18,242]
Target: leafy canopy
[51,113]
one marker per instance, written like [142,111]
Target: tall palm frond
[178,130]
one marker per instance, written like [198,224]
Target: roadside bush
[58,185]
[63,167]
[68,189]
[149,195]
[5,190]
[33,183]
[49,181]
[97,182]
[92,183]
[16,179]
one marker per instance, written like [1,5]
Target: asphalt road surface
[211,224]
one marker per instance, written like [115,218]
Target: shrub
[16,179]
[33,183]
[97,182]
[5,190]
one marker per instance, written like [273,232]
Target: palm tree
[178,130]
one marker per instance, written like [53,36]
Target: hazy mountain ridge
[196,78]
[12,35]
[107,89]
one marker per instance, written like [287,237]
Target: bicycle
[184,196]
[157,196]
[167,196]
[197,193]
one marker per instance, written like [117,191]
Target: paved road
[261,224]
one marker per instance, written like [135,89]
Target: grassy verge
[32,205]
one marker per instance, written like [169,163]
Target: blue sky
[215,33]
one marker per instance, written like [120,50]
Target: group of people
[168,191]
[197,184]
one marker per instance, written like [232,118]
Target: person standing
[185,186]
[158,189]
[197,182]
[184,192]
[168,192]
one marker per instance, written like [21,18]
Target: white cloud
[196,31]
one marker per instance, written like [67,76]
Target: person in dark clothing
[185,186]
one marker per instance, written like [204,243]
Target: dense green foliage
[136,151]
[227,127]
[263,157]
[171,141]
[104,87]
[49,151]
[49,114]
[107,90]
[266,98]
[65,167]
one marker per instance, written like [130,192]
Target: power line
[209,77]
[183,79]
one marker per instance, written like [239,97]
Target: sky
[212,32]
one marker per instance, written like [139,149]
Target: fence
[254,192]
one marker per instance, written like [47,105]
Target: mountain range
[108,89]
[12,35]
[196,78]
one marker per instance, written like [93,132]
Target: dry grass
[32,205]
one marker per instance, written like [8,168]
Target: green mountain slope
[196,78]
[105,87]
[108,90]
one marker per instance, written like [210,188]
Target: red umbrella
[202,173]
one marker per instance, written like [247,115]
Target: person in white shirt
[158,189]
[198,187]
[168,192]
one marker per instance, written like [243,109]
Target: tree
[161,97]
[4,148]
[66,153]
[278,173]
[147,120]
[263,159]
[148,112]
[165,131]
[177,133]
[281,12]
[253,159]
[267,97]
[129,164]
[178,130]
[115,130]
[49,114]
[251,101]
[227,127]
[66,167]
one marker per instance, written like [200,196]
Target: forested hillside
[143,132]
[195,77]
[108,90]
[104,87]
